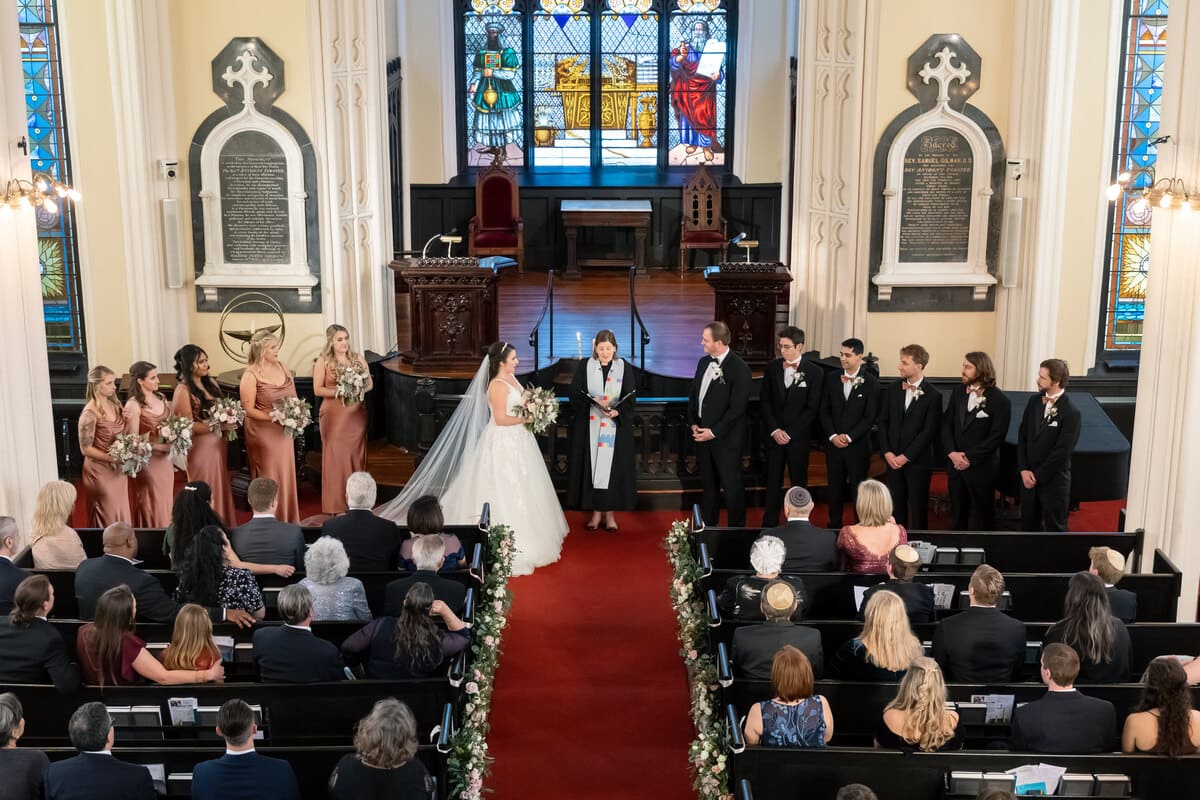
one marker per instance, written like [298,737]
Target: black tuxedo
[1045,447]
[1066,723]
[910,432]
[291,655]
[1123,603]
[10,578]
[854,417]
[917,597]
[266,540]
[96,776]
[977,434]
[452,593]
[724,412]
[791,408]
[809,548]
[755,646]
[980,645]
[95,576]
[35,653]
[373,543]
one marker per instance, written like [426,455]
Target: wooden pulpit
[747,295]
[453,316]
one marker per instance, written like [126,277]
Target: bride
[484,454]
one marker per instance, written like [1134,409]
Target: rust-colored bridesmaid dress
[270,450]
[207,459]
[106,486]
[154,486]
[343,446]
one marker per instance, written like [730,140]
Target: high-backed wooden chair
[703,226]
[497,228]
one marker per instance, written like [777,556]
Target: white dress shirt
[707,380]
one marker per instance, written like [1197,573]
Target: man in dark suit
[1045,443]
[1109,566]
[31,649]
[755,646]
[427,553]
[973,428]
[809,548]
[1064,721]
[10,574]
[981,644]
[716,411]
[789,398]
[373,543]
[291,653]
[95,774]
[904,563]
[95,576]
[910,415]
[264,539]
[849,407]
[241,772]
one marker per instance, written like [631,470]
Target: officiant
[603,476]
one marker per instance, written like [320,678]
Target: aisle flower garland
[707,752]
[468,762]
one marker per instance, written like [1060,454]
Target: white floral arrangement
[718,374]
[857,382]
[538,407]
[131,453]
[1052,412]
[980,397]
[293,414]
[351,384]
[226,413]
[798,377]
[177,432]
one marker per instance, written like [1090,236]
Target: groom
[716,411]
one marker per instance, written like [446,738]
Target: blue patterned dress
[801,725]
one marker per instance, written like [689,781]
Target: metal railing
[635,323]
[535,334]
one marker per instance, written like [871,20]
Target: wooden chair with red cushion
[497,228]
[703,226]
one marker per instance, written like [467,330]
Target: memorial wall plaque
[254,201]
[935,208]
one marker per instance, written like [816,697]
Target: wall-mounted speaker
[172,246]
[1010,241]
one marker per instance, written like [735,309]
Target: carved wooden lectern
[747,295]
[453,310]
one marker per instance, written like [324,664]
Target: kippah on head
[907,554]
[1115,558]
[779,595]
[798,497]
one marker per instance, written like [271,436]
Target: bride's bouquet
[227,413]
[131,452]
[177,432]
[351,384]
[538,407]
[293,414]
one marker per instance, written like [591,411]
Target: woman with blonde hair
[384,763]
[54,543]
[343,421]
[100,423]
[886,646]
[864,548]
[917,718]
[269,448]
[192,645]
[146,410]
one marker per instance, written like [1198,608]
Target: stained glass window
[494,35]
[1139,96]
[48,152]
[629,84]
[562,96]
[699,38]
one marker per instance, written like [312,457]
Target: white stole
[602,431]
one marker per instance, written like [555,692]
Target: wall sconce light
[1169,194]
[43,191]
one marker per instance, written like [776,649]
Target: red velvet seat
[497,228]
[703,226]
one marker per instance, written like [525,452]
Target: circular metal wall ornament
[248,302]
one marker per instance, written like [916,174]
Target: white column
[1166,435]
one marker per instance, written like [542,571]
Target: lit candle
[579,343]
[253,327]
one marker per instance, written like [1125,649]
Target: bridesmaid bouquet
[177,432]
[538,407]
[293,414]
[351,384]
[226,411]
[131,452]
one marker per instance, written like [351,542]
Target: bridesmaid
[268,446]
[100,423]
[343,427]
[145,410]
[195,392]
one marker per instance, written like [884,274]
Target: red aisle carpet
[591,697]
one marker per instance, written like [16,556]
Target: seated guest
[856,791]
[740,597]
[755,646]
[116,568]
[22,769]
[290,653]
[411,645]
[917,717]
[111,654]
[54,544]
[1164,722]
[242,773]
[903,563]
[886,646]
[863,548]
[794,717]
[192,645]
[207,579]
[31,649]
[809,549]
[191,511]
[425,517]
[335,596]
[10,574]
[428,551]
[995,794]
[1192,670]
[383,765]
[265,539]
[1063,720]
[373,543]
[1109,566]
[981,644]
[1090,629]
[95,774]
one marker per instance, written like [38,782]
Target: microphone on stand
[737,238]
[449,238]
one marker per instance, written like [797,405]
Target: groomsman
[1045,443]
[716,411]
[909,418]
[848,410]
[789,398]
[973,429]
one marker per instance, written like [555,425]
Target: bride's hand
[612,412]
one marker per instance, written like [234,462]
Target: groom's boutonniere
[717,374]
